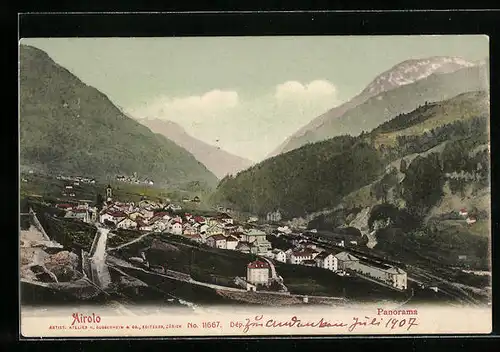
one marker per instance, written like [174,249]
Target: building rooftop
[257,265]
[255,232]
[116,214]
[218,237]
[323,255]
[345,256]
[304,253]
[384,267]
[242,244]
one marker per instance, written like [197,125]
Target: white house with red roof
[65,206]
[258,273]
[463,212]
[471,220]
[113,216]
[175,227]
[217,241]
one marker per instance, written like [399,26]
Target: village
[223,232]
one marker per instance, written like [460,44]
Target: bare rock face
[64,265]
[26,273]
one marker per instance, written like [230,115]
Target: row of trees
[406,120]
[475,127]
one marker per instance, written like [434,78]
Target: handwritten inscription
[351,326]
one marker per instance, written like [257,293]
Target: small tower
[109,193]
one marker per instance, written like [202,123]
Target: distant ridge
[218,161]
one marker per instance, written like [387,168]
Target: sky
[245,95]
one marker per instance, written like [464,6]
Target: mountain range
[399,90]
[218,161]
[320,175]
[67,126]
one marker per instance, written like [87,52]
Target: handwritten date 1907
[354,324]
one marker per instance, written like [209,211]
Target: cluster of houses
[219,231]
[76,180]
[468,218]
[82,212]
[223,232]
[134,180]
[342,263]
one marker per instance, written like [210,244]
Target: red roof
[463,210]
[117,214]
[199,219]
[161,213]
[257,265]
[64,206]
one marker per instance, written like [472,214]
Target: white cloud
[294,90]
[250,128]
[168,108]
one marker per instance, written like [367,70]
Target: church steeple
[109,193]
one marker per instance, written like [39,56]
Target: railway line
[416,274]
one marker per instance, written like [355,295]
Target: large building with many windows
[258,273]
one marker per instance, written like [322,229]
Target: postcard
[244,186]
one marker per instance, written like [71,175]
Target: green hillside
[404,99]
[303,180]
[69,127]
[321,175]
